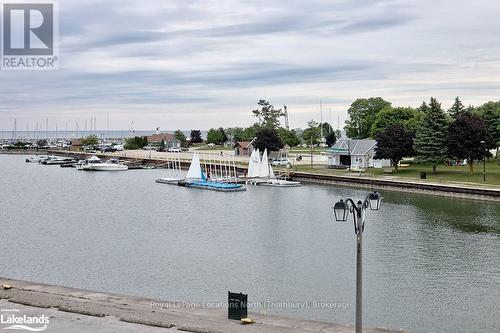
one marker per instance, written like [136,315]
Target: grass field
[444,174]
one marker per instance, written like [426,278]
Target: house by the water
[358,153]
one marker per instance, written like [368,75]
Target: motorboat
[56,160]
[96,164]
[35,159]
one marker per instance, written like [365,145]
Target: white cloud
[197,64]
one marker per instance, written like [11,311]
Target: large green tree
[268,116]
[362,115]
[268,138]
[394,143]
[468,138]
[90,140]
[289,137]
[430,141]
[179,135]
[490,113]
[408,117]
[196,136]
[457,108]
[215,136]
[136,142]
[312,134]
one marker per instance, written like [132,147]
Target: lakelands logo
[15,321]
[29,36]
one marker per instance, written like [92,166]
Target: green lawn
[444,174]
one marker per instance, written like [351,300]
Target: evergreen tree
[490,114]
[430,141]
[457,108]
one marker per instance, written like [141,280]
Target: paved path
[64,322]
[77,310]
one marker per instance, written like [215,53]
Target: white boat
[263,174]
[55,160]
[95,164]
[174,172]
[35,159]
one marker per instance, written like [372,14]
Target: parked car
[211,145]
[282,162]
[174,150]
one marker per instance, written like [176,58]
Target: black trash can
[423,175]
[237,305]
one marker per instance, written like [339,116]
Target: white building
[354,152]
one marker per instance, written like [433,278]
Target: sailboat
[196,178]
[263,174]
[174,174]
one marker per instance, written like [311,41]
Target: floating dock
[213,186]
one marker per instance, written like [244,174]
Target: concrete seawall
[456,191]
[176,316]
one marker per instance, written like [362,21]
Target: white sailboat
[266,177]
[194,172]
[174,172]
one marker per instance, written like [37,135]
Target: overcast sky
[200,64]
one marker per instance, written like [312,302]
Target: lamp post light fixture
[341,211]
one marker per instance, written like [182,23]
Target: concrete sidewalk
[77,310]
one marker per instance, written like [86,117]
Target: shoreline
[142,311]
[462,191]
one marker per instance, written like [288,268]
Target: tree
[136,142]
[196,136]
[327,128]
[490,113]
[268,116]
[331,138]
[362,114]
[406,116]
[430,140]
[312,133]
[394,143]
[224,135]
[456,109]
[214,136]
[468,138]
[181,137]
[268,138]
[90,140]
[289,137]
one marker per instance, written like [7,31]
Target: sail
[254,164]
[271,172]
[194,171]
[264,166]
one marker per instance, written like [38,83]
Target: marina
[420,250]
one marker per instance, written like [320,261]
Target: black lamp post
[484,161]
[341,210]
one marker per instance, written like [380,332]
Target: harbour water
[431,264]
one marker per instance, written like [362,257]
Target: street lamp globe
[341,211]
[375,200]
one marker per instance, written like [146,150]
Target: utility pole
[321,117]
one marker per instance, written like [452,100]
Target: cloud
[218,57]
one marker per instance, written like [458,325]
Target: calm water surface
[431,264]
